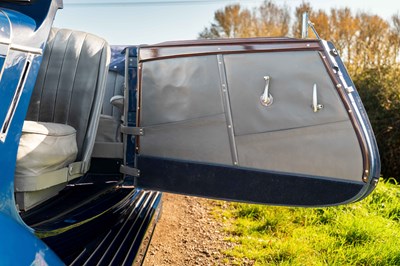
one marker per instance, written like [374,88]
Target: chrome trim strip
[17,96]
[27,49]
[5,41]
[350,95]
[227,109]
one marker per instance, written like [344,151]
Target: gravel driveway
[187,234]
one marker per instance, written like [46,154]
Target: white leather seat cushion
[45,147]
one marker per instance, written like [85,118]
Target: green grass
[363,233]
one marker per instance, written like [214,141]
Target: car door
[274,121]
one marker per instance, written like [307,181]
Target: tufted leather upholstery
[70,85]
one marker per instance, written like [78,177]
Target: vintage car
[90,133]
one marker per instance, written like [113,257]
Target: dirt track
[187,234]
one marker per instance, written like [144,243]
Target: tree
[231,22]
[344,32]
[234,21]
[372,45]
[381,97]
[271,20]
[395,38]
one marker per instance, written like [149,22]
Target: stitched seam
[73,82]
[45,75]
[90,121]
[186,120]
[295,128]
[61,70]
[70,98]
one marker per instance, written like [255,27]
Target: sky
[147,22]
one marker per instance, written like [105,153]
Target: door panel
[205,130]
[292,77]
[328,150]
[165,141]
[288,135]
[183,104]
[181,89]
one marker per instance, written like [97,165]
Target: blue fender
[19,246]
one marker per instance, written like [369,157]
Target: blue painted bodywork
[27,39]
[11,72]
[25,35]
[18,246]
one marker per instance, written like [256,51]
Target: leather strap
[129,171]
[136,131]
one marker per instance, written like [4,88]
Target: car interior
[75,114]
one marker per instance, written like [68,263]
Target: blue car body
[16,234]
[23,244]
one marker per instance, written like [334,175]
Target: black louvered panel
[121,244]
[138,248]
[128,249]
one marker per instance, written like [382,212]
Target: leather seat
[69,91]
[45,147]
[108,140]
[114,87]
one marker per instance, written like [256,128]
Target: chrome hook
[315,105]
[266,98]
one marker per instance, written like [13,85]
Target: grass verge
[363,233]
